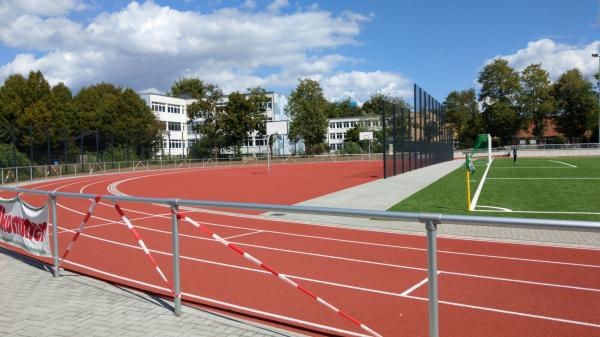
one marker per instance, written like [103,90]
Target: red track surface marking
[278,275]
[86,218]
[140,242]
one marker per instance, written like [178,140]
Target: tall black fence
[29,146]
[414,138]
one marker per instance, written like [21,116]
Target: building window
[332,146]
[158,107]
[174,109]
[340,135]
[352,124]
[339,146]
[332,125]
[346,124]
[259,141]
[165,144]
[175,143]
[339,125]
[248,142]
[174,126]
[332,136]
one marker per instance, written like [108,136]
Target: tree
[500,90]
[117,112]
[192,87]
[241,116]
[345,108]
[307,111]
[576,103]
[206,109]
[462,113]
[535,100]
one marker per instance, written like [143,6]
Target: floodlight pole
[598,56]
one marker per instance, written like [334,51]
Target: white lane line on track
[347,286]
[508,312]
[232,266]
[368,262]
[372,244]
[245,234]
[414,287]
[207,299]
[562,162]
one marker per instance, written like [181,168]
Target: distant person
[514,154]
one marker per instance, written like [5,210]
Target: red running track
[486,288]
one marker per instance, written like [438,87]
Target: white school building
[179,136]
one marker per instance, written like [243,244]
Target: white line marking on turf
[476,196]
[539,212]
[493,207]
[230,305]
[555,178]
[531,167]
[508,312]
[561,162]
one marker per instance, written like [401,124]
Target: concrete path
[36,304]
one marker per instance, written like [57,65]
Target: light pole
[598,56]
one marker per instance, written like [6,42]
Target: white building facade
[179,136]
[336,131]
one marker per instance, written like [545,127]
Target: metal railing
[23,174]
[430,221]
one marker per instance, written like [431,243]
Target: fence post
[432,278]
[54,235]
[176,280]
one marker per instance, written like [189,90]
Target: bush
[6,157]
[351,148]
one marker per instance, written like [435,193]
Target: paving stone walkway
[33,303]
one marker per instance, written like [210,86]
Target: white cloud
[42,8]
[145,45]
[276,5]
[250,4]
[361,85]
[555,57]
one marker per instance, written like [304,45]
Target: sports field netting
[556,188]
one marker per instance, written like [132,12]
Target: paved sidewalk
[384,193]
[36,304]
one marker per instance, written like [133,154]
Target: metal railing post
[176,279]
[434,328]
[52,200]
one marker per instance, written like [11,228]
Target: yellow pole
[468,190]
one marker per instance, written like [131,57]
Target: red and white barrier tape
[139,240]
[81,225]
[277,274]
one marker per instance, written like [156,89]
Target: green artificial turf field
[565,188]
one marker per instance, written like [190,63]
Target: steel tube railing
[431,221]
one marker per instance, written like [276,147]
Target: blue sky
[354,48]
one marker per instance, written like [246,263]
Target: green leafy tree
[241,116]
[576,103]
[117,113]
[206,109]
[307,111]
[500,89]
[463,116]
[536,100]
[345,108]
